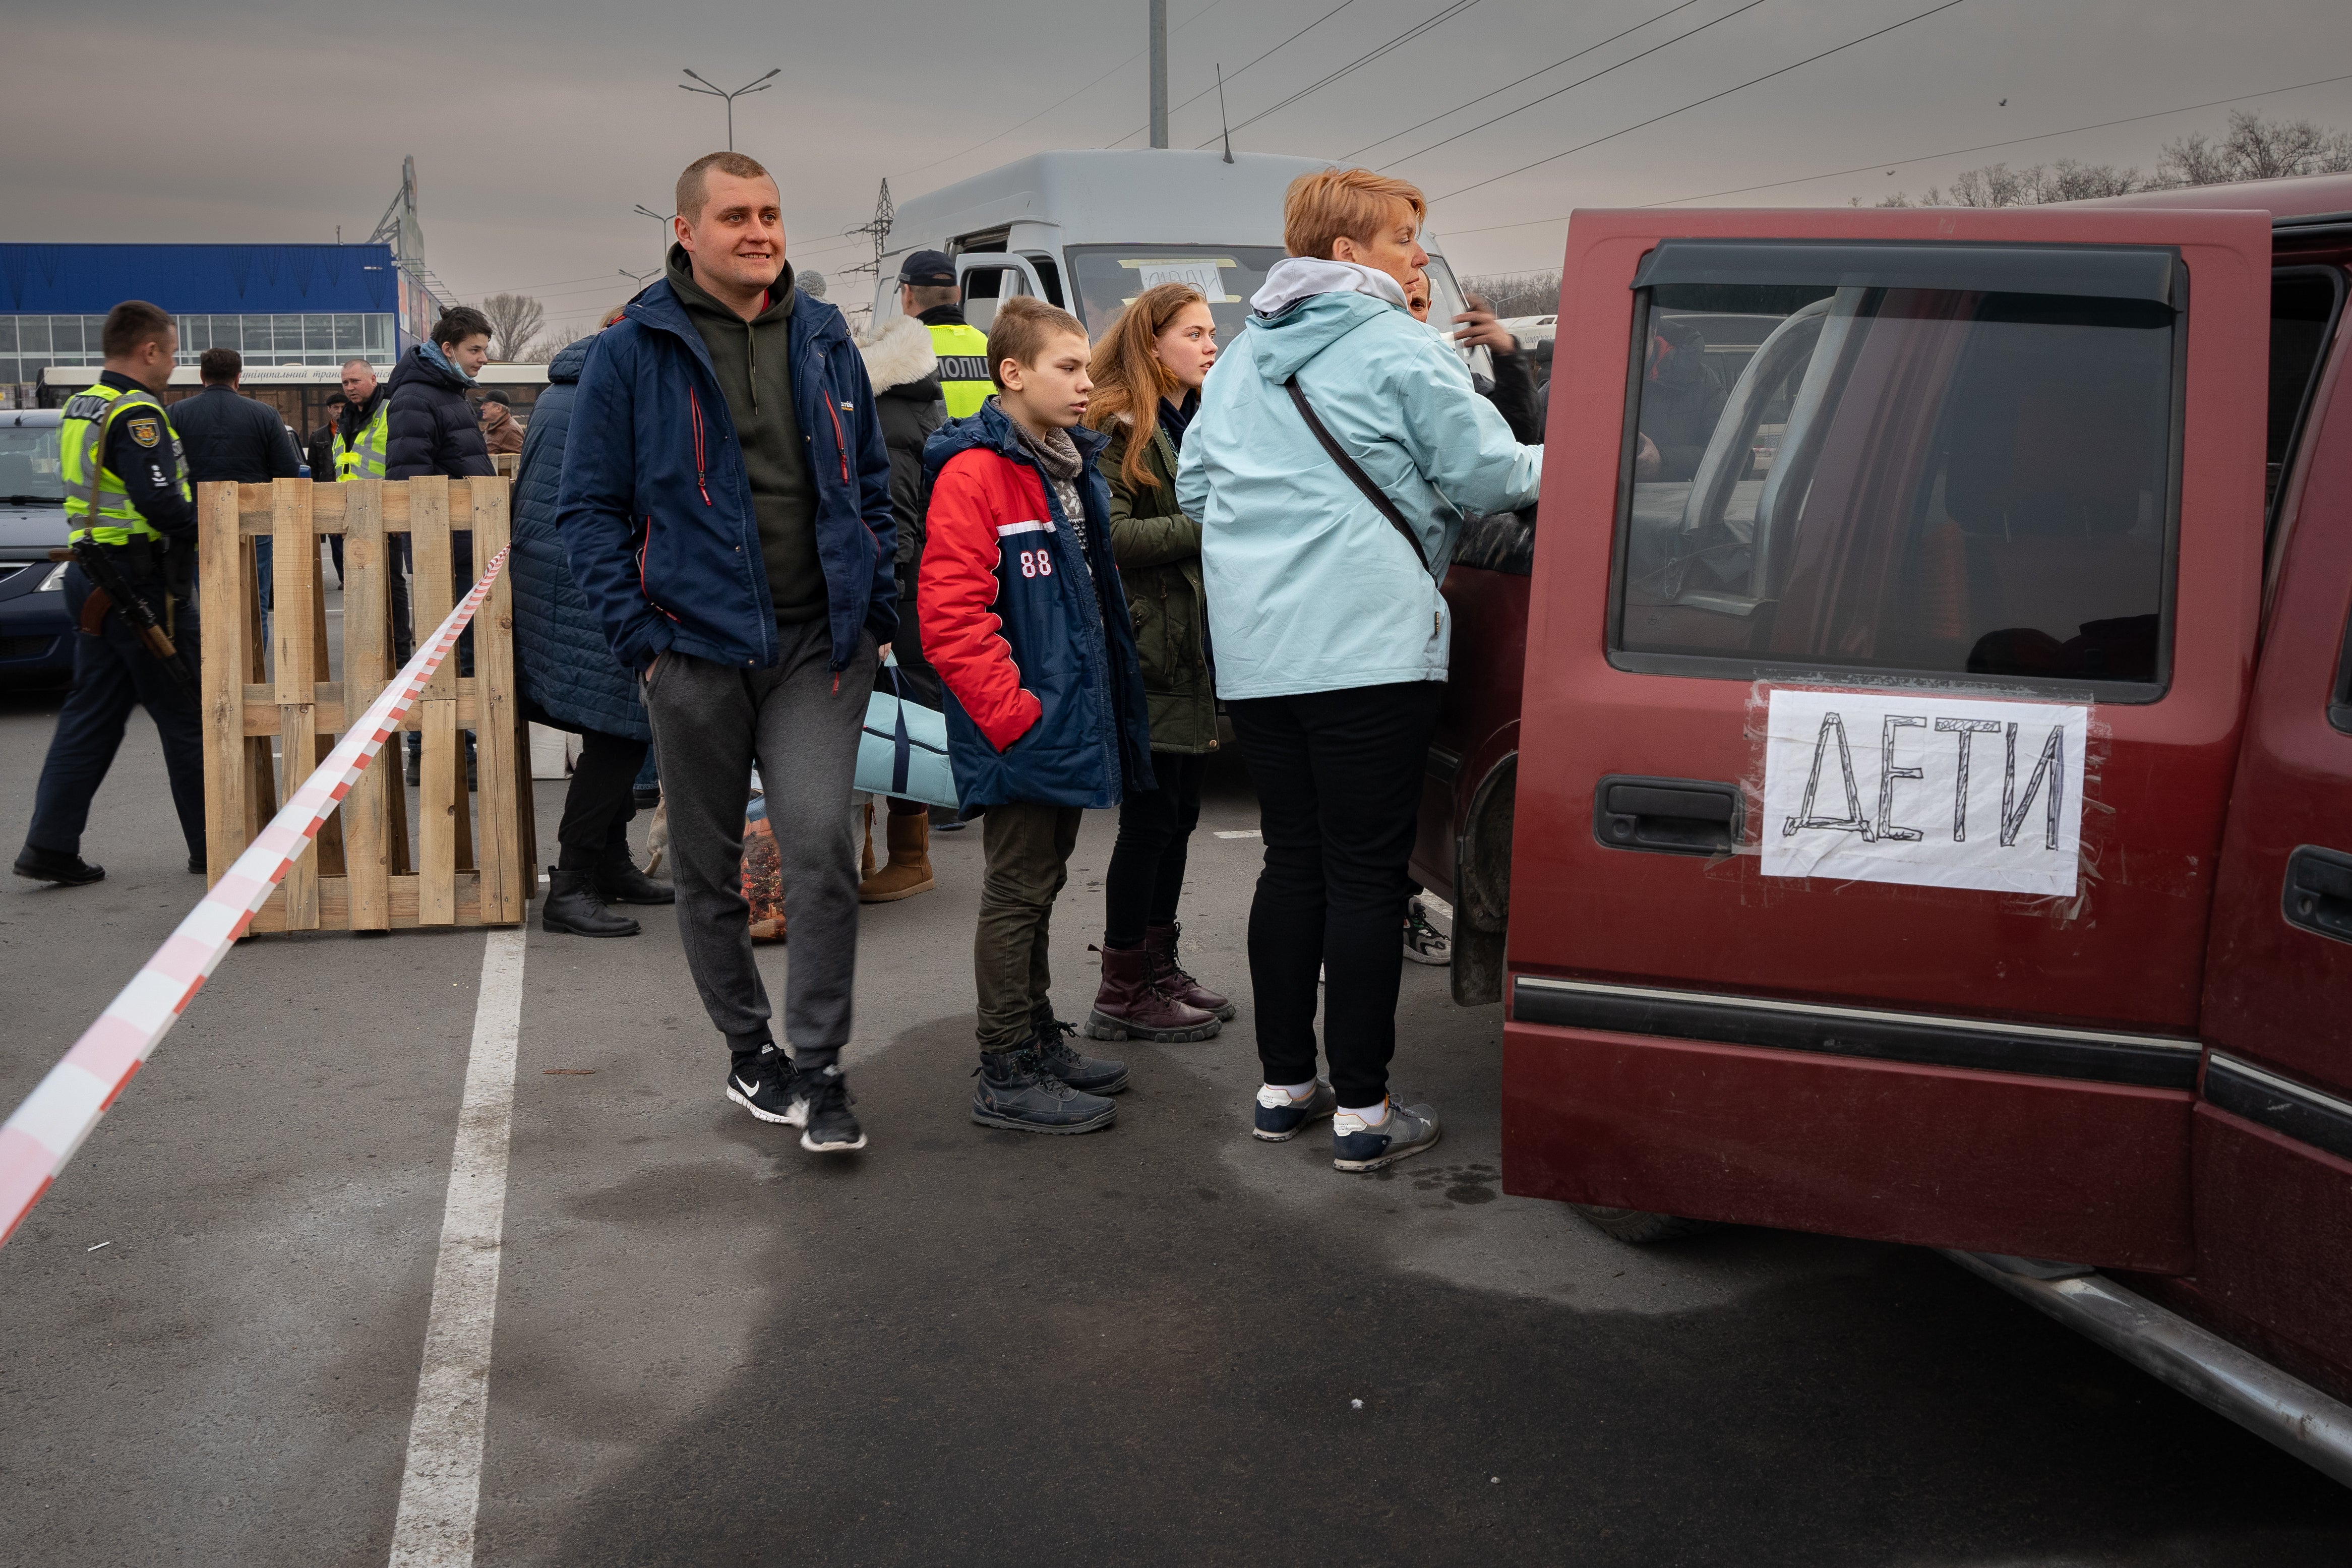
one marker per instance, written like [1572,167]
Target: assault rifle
[108,589]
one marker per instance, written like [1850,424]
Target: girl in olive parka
[1147,372]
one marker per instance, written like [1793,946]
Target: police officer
[127,492]
[928,291]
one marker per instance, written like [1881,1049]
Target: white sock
[1275,1095]
[1370,1115]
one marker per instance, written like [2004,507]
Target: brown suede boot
[910,871]
[1129,1007]
[1161,964]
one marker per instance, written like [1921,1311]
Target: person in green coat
[1147,372]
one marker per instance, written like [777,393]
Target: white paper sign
[1890,787]
[1200,275]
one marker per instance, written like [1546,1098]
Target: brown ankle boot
[1129,1007]
[1161,964]
[910,871]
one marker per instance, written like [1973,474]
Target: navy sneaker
[761,1084]
[1280,1118]
[819,1106]
[1410,1130]
[1088,1075]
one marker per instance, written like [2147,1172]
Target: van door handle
[1668,817]
[2318,892]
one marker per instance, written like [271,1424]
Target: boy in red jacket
[1022,616]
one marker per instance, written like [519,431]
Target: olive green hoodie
[754,363]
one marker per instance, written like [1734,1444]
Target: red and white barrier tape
[36,1141]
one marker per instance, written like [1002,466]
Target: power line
[1696,103]
[1408,35]
[1057,103]
[1571,87]
[1531,76]
[1285,43]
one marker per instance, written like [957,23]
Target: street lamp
[638,278]
[759,85]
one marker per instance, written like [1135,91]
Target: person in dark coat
[571,681]
[430,428]
[228,435]
[905,371]
[319,453]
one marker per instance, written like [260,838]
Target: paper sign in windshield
[1200,275]
[1886,787]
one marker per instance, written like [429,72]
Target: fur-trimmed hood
[899,354]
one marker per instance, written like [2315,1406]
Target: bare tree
[554,341]
[1518,293]
[2256,149]
[2253,149]
[515,321]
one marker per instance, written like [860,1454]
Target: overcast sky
[536,124]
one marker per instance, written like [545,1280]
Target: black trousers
[113,673]
[1147,865]
[1337,775]
[600,803]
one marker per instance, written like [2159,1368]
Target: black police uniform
[114,673]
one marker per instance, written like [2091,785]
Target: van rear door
[1880,710]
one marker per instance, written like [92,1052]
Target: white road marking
[1245,833]
[443,1482]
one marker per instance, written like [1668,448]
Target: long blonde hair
[1129,377]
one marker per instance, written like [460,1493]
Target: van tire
[1639,1227]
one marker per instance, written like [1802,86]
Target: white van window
[1108,278]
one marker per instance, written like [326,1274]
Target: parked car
[36,633]
[1909,794]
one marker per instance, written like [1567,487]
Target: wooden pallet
[364,874]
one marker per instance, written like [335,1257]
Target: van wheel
[1640,1227]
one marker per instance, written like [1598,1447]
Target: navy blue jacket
[655,509]
[569,674]
[1044,692]
[430,427]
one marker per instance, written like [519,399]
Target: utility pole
[1159,73]
[758,84]
[877,229]
[643,211]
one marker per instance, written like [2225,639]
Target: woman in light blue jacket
[1330,630]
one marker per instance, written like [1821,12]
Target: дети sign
[1941,792]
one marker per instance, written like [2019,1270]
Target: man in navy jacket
[725,510]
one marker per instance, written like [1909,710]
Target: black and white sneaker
[820,1107]
[762,1085]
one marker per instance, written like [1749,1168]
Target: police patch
[146,432]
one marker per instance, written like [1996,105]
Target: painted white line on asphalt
[1245,833]
[443,1482]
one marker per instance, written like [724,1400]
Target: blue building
[276,304]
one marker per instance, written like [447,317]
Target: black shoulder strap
[1363,481]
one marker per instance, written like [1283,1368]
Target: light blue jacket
[1309,587]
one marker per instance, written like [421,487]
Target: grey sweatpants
[711,721]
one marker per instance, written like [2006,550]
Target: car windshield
[1109,277]
[30,471]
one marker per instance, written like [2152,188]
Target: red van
[1902,788]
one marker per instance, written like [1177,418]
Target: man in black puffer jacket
[430,428]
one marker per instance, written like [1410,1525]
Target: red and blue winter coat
[1045,693]
[656,508]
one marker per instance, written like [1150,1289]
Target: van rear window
[1946,480]
[1108,277]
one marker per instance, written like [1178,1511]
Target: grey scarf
[1058,456]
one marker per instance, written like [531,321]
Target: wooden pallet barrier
[363,875]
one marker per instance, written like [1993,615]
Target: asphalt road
[1144,1346]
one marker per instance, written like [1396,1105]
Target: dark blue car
[36,633]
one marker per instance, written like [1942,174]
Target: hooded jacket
[570,677]
[1029,635]
[656,508]
[430,428]
[905,372]
[1309,587]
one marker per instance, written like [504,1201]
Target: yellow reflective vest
[363,459]
[98,505]
[964,380]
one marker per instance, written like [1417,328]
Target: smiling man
[726,510]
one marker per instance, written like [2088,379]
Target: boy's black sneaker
[761,1082]
[820,1107]
[1088,1075]
[1017,1094]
